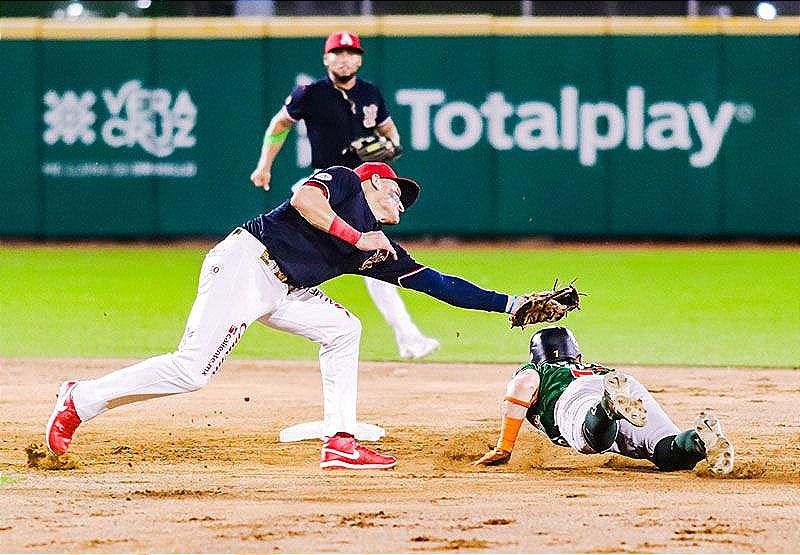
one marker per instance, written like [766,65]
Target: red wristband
[344,231]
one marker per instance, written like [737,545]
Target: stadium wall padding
[587,127]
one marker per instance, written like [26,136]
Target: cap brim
[359,50]
[409,191]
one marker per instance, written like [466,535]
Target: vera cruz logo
[147,117]
[153,120]
[150,118]
[573,125]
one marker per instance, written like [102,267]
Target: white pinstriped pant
[235,289]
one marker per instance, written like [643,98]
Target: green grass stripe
[716,306]
[8,480]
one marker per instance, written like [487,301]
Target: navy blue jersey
[335,118]
[309,256]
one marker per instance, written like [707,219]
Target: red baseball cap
[343,39]
[409,189]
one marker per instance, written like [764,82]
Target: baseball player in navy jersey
[336,110]
[595,409]
[268,271]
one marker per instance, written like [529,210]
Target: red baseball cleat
[345,452]
[63,422]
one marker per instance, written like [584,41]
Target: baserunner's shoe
[719,449]
[63,422]
[617,400]
[345,452]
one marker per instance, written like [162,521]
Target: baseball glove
[373,148]
[545,306]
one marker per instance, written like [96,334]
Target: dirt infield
[204,472]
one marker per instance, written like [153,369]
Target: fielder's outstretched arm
[456,291]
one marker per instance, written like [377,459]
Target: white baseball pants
[235,289]
[638,443]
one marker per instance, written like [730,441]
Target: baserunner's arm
[521,393]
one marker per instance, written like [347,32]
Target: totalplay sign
[587,127]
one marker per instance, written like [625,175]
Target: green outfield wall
[599,127]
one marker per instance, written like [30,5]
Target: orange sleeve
[509,433]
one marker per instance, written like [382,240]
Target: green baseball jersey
[553,380]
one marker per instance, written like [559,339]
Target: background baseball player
[337,110]
[595,409]
[267,270]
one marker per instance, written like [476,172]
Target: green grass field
[718,306]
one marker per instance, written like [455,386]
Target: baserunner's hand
[494,457]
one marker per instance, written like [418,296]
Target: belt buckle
[273,267]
